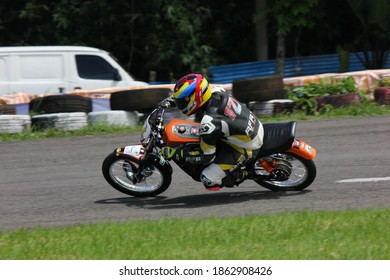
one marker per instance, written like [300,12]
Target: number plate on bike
[136,151]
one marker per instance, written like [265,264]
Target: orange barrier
[365,80]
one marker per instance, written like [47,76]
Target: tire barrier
[7,109]
[66,121]
[259,89]
[340,100]
[14,123]
[125,118]
[66,103]
[141,100]
[61,121]
[271,107]
[382,95]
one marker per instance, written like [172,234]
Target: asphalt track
[58,182]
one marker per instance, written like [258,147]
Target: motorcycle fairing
[303,149]
[134,151]
[179,132]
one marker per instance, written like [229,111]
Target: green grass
[339,235]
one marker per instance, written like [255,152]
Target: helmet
[191,92]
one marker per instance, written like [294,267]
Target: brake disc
[283,169]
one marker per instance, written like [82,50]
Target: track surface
[58,182]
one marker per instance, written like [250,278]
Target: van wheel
[141,100]
[66,103]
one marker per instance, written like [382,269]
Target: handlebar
[167,102]
[156,122]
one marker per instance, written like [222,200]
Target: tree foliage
[291,14]
[374,38]
[173,37]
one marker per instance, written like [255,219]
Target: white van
[59,69]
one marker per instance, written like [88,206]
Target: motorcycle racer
[229,131]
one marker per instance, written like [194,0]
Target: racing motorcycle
[283,163]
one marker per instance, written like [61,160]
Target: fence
[295,66]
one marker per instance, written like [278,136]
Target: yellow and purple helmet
[191,92]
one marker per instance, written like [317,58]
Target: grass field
[335,235]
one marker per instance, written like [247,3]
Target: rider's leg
[215,175]
[212,176]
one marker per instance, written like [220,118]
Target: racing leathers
[228,132]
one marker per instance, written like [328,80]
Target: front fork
[138,157]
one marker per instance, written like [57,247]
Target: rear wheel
[294,173]
[119,171]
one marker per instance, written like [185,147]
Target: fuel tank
[178,132]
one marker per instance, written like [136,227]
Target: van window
[94,67]
[41,67]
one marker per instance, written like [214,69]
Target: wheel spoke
[298,174]
[123,174]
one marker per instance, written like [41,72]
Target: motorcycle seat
[277,137]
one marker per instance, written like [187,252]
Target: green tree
[170,37]
[374,36]
[290,15]
[173,37]
[177,42]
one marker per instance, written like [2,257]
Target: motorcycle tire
[118,169]
[296,182]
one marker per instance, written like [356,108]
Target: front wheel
[295,173]
[120,172]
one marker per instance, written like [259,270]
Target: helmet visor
[182,102]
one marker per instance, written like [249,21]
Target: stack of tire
[382,95]
[142,101]
[10,122]
[265,96]
[128,107]
[271,107]
[64,112]
[259,89]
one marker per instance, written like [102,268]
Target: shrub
[305,96]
